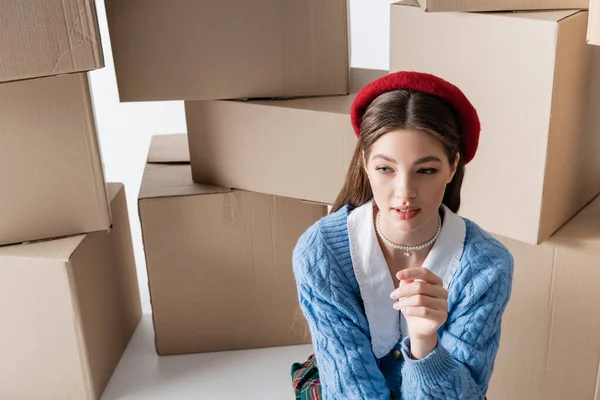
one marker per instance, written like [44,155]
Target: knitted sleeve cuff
[431,371]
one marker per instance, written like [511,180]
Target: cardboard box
[300,148]
[500,5]
[550,347]
[535,83]
[48,37]
[51,172]
[223,49]
[593,33]
[68,308]
[219,263]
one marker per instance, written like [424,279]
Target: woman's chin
[411,222]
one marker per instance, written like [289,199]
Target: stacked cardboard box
[536,85]
[534,183]
[299,148]
[219,259]
[526,67]
[69,298]
[223,49]
[550,344]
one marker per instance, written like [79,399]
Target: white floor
[245,374]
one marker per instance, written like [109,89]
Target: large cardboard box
[51,172]
[535,83]
[48,37]
[297,148]
[550,344]
[593,33]
[68,309]
[219,263]
[501,5]
[220,49]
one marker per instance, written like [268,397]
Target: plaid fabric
[305,376]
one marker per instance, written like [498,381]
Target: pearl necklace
[407,249]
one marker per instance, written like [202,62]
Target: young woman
[403,297]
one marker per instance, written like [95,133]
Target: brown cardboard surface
[536,91]
[48,37]
[68,307]
[168,149]
[549,347]
[593,33]
[51,172]
[500,5]
[223,49]
[297,148]
[219,264]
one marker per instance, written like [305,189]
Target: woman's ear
[454,167]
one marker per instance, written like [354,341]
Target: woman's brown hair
[403,110]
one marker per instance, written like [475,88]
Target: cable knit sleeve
[461,365]
[347,367]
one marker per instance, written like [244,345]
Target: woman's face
[408,172]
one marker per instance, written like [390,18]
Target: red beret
[467,115]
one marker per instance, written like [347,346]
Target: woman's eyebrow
[423,160]
[386,158]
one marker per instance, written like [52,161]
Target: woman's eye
[427,171]
[384,170]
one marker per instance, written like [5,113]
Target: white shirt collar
[376,283]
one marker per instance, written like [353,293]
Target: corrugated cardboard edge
[94,149]
[597,391]
[95,28]
[593,30]
[86,24]
[347,11]
[150,296]
[83,351]
[435,6]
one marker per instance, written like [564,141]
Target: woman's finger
[424,312]
[419,287]
[422,301]
[419,273]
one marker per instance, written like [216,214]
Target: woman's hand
[424,302]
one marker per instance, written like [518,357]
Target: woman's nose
[404,188]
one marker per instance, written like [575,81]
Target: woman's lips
[407,213]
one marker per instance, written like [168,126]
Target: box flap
[57,249]
[167,180]
[410,3]
[585,225]
[551,16]
[167,149]
[539,15]
[168,174]
[500,5]
[113,190]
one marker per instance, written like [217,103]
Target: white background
[125,129]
